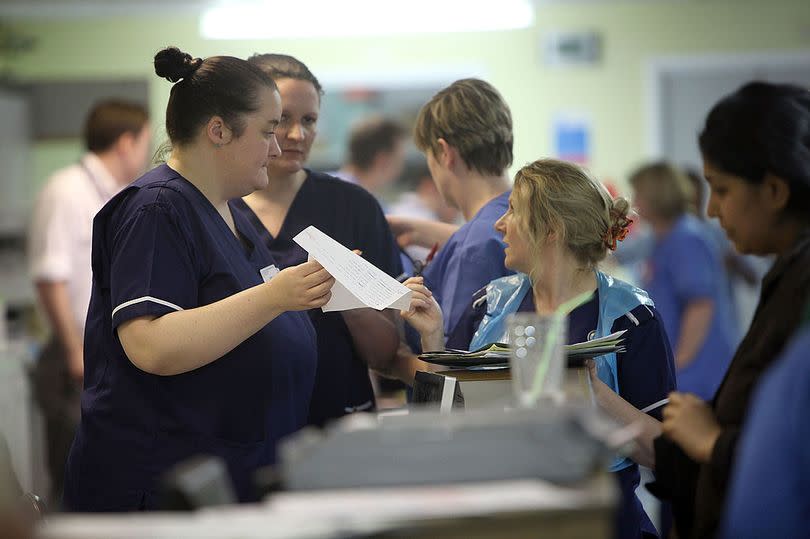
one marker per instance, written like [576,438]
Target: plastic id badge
[269,272]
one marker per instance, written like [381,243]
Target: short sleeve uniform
[61,228]
[471,258]
[161,247]
[685,266]
[646,375]
[350,215]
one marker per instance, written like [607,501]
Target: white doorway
[682,89]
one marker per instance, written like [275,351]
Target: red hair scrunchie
[617,233]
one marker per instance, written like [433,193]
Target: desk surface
[505,509]
[468,375]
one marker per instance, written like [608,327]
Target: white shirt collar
[101,174]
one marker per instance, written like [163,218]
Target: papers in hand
[497,354]
[358,282]
[596,347]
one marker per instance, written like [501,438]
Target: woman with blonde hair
[560,224]
[684,275]
[296,197]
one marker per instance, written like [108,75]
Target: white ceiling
[89,8]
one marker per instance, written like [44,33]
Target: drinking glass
[537,357]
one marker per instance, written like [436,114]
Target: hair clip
[617,233]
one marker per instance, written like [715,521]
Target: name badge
[269,272]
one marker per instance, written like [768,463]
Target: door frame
[659,67]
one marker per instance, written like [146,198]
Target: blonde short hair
[471,116]
[667,190]
[552,196]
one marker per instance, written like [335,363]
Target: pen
[431,254]
[418,265]
[654,405]
[419,268]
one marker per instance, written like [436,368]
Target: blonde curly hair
[552,196]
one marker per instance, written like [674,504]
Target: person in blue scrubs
[685,276]
[770,487]
[465,132]
[559,226]
[188,349]
[295,198]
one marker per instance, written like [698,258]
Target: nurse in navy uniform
[295,198]
[559,225]
[190,347]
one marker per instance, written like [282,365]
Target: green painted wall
[612,94]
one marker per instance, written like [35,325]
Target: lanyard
[103,194]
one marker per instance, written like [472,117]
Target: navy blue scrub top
[158,247]
[352,216]
[646,374]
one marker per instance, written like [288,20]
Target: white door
[685,89]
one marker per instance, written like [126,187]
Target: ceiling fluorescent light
[270,19]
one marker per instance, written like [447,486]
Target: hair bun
[619,210]
[173,64]
[620,222]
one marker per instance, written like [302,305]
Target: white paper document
[358,282]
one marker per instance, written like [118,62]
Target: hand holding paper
[358,283]
[300,288]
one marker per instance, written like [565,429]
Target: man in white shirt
[117,138]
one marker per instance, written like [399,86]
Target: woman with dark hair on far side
[296,197]
[756,156]
[188,349]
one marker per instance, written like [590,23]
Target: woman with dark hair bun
[193,345]
[756,156]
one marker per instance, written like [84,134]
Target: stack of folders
[495,356]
